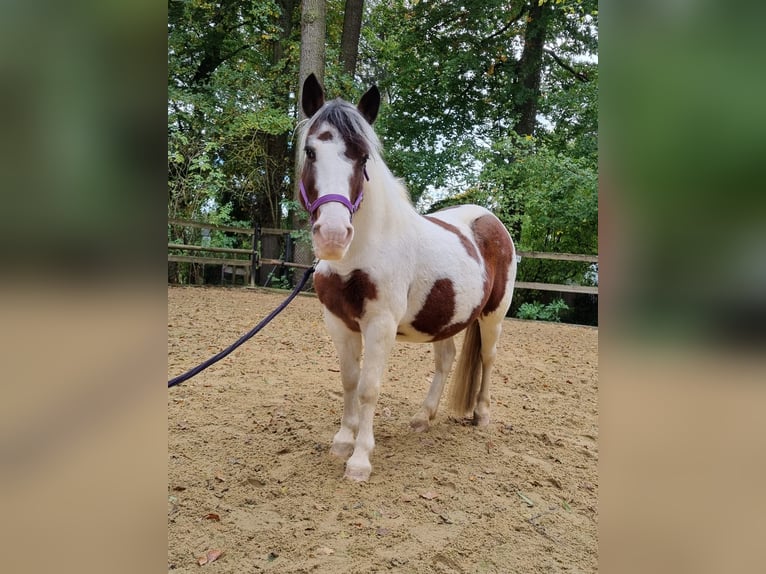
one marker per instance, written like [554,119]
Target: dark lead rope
[215,358]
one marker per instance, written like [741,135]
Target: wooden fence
[590,290]
[233,261]
[249,260]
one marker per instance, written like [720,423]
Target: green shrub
[536,311]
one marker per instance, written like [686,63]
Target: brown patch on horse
[497,250]
[437,311]
[308,178]
[325,136]
[356,182]
[454,328]
[345,298]
[469,247]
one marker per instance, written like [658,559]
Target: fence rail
[203,225]
[559,256]
[181,246]
[285,263]
[558,287]
[210,260]
[255,260]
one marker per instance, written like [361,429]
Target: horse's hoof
[480,420]
[360,474]
[419,424]
[341,449]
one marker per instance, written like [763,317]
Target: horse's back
[487,231]
[462,215]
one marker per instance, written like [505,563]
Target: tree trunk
[278,163]
[526,88]
[349,43]
[313,27]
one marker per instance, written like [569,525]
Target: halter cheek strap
[330,197]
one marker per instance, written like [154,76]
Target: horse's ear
[313,95]
[369,104]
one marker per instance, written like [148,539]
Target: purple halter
[313,207]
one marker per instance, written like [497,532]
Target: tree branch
[582,76]
[510,23]
[230,55]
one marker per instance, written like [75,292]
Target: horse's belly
[442,311]
[406,334]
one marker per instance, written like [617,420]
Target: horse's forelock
[351,126]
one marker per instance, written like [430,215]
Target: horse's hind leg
[490,328]
[444,355]
[349,347]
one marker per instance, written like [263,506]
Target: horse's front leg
[379,337]
[348,345]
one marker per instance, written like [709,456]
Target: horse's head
[337,142]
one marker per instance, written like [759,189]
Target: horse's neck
[386,216]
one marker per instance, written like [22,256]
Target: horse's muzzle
[331,239]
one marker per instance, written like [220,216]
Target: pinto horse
[386,273]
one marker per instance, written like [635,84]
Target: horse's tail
[467,380]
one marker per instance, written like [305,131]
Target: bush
[536,311]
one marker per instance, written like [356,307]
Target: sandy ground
[249,472]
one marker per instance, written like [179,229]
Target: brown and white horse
[387,273]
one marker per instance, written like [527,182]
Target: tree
[352,27]
[313,33]
[525,86]
[231,65]
[459,76]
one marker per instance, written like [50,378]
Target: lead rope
[215,358]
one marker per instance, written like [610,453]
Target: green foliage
[301,236]
[431,59]
[537,311]
[553,196]
[549,201]
[222,215]
[280,282]
[572,109]
[231,72]
[450,72]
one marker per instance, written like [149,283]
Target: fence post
[289,252]
[254,257]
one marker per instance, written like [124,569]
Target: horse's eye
[364,159]
[310,153]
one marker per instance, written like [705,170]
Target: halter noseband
[313,207]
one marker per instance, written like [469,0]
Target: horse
[385,273]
